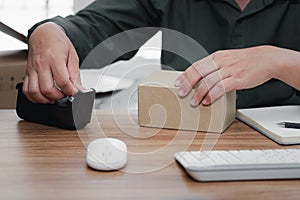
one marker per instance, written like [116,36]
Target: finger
[199,94]
[206,66]
[73,69]
[34,90]
[222,87]
[207,84]
[187,81]
[194,74]
[78,84]
[47,87]
[202,68]
[25,88]
[189,74]
[62,78]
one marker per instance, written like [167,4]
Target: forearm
[288,68]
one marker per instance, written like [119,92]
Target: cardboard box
[12,70]
[160,106]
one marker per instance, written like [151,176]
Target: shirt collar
[258,4]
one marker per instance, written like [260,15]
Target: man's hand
[229,70]
[52,67]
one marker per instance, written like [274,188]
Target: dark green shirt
[214,24]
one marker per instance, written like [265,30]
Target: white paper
[266,119]
[93,78]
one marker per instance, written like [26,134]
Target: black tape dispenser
[71,113]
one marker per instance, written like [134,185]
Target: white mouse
[106,154]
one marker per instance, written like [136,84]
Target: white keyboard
[241,164]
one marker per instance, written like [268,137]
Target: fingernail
[177,83]
[194,102]
[205,102]
[181,92]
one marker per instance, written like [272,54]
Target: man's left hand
[228,70]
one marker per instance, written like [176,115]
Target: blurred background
[23,14]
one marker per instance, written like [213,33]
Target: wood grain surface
[40,162]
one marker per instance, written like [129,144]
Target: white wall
[23,14]
[79,4]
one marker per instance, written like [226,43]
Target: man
[254,46]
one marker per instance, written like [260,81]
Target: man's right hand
[52,67]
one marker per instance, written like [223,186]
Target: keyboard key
[241,164]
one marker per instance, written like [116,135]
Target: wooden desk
[39,162]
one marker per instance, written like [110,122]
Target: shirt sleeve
[103,19]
